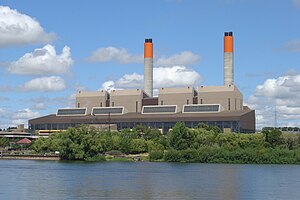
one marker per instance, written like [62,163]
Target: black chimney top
[228,33]
[148,40]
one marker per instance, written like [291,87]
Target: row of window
[165,126]
[161,109]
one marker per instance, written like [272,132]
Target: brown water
[21,179]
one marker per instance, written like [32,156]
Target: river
[28,179]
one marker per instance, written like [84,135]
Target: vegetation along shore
[204,144]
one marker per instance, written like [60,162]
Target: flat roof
[176,90]
[91,93]
[221,88]
[138,117]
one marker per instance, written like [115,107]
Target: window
[159,109]
[201,101]
[235,104]
[101,104]
[136,106]
[112,104]
[108,110]
[71,111]
[201,108]
[78,105]
[161,102]
[187,101]
[228,103]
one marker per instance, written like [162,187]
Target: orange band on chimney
[228,44]
[148,50]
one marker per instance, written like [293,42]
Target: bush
[97,158]
[156,155]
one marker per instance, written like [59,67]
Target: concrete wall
[223,95]
[176,96]
[88,99]
[130,99]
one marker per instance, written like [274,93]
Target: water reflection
[119,180]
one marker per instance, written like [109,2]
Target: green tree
[180,137]
[138,146]
[273,136]
[4,142]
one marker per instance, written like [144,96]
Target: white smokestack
[148,67]
[228,58]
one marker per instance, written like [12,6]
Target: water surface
[28,179]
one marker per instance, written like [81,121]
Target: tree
[4,142]
[272,136]
[138,146]
[180,138]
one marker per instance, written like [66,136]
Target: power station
[220,106]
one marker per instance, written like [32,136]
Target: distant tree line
[206,144]
[286,129]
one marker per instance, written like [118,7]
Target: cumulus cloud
[43,84]
[278,97]
[293,45]
[22,116]
[162,77]
[43,61]
[119,55]
[284,87]
[19,29]
[184,58]
[176,76]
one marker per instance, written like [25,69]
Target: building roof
[91,93]
[24,141]
[176,90]
[126,92]
[245,117]
[221,88]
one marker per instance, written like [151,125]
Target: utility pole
[109,121]
[275,117]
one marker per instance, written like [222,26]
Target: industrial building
[221,106]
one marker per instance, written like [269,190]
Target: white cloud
[39,106]
[282,87]
[176,76]
[19,29]
[25,114]
[278,97]
[22,116]
[184,58]
[293,45]
[43,61]
[108,85]
[130,80]
[119,55]
[43,84]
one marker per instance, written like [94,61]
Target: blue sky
[51,49]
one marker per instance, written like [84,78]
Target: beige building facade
[130,99]
[228,96]
[90,99]
[176,96]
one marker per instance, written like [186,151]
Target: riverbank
[28,157]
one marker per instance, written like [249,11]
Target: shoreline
[28,157]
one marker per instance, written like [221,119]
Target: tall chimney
[228,58]
[148,67]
